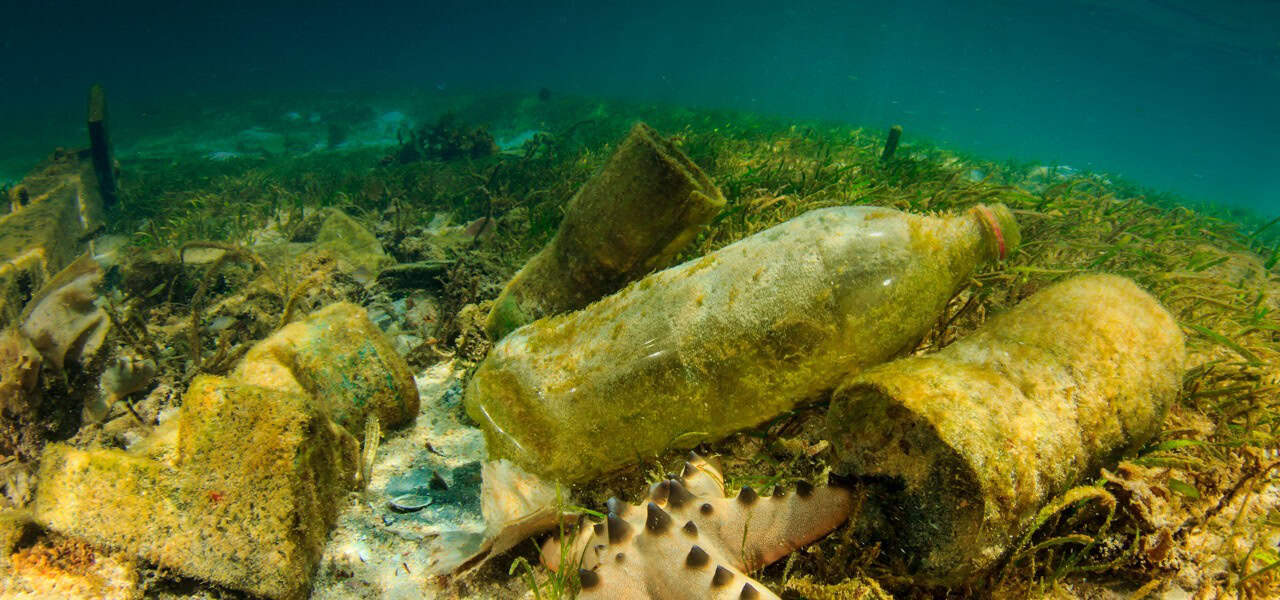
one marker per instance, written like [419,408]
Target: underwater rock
[726,341]
[245,500]
[63,320]
[631,218]
[971,441]
[341,359]
[689,541]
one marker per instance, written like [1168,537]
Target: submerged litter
[726,341]
[419,505]
[963,447]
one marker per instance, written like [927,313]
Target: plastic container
[631,218]
[961,448]
[726,341]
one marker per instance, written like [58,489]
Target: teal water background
[1176,95]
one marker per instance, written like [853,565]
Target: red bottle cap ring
[994,224]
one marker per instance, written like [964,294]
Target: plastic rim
[990,218]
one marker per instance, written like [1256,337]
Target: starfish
[689,541]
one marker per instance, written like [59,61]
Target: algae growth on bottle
[632,217]
[964,446]
[728,340]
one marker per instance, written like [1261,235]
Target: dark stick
[891,144]
[100,145]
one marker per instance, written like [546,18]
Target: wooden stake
[100,145]
[891,144]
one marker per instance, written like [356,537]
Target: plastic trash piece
[968,443]
[726,341]
[631,218]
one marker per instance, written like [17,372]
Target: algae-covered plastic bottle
[726,341]
[964,446]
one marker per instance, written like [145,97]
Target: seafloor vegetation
[1196,509]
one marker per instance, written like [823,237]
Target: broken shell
[410,502]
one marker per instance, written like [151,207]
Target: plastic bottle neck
[999,229]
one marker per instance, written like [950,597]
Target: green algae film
[723,342]
[634,216]
[340,358]
[978,436]
[253,469]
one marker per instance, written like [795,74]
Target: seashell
[410,502]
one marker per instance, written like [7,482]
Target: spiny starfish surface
[689,541]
